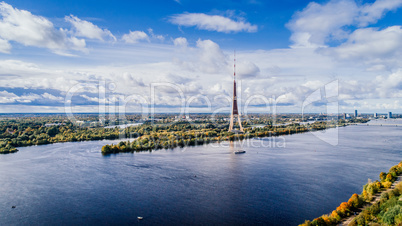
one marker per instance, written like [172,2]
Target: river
[297,177]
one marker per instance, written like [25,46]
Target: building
[355,113]
[375,115]
[389,114]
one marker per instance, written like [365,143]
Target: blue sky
[286,50]
[269,16]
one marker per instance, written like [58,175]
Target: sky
[292,56]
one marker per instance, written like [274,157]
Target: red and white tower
[235,111]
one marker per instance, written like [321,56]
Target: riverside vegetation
[46,130]
[387,211]
[183,134]
[18,130]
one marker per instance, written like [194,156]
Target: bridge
[367,124]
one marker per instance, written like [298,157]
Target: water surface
[72,183]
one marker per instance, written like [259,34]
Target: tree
[355,201]
[382,176]
[106,149]
[390,215]
[389,177]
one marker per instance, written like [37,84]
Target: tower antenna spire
[235,110]
[234,64]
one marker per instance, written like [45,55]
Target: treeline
[26,131]
[45,130]
[355,202]
[185,134]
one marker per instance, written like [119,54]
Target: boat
[240,152]
[140,218]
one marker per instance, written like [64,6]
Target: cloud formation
[30,30]
[212,23]
[154,36]
[371,13]
[5,47]
[364,60]
[135,37]
[87,29]
[181,41]
[318,24]
[370,43]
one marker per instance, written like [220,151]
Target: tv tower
[235,110]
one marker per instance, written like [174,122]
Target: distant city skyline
[286,51]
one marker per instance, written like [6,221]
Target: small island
[182,134]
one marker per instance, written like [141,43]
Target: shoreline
[196,140]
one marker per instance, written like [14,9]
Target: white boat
[140,218]
[240,152]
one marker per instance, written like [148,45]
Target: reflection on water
[72,183]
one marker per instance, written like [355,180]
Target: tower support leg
[241,127]
[231,123]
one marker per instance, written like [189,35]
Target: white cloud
[371,43]
[52,97]
[318,24]
[30,30]
[207,57]
[94,99]
[135,37]
[6,98]
[17,66]
[87,29]
[180,42]
[212,23]
[5,47]
[390,86]
[370,13]
[154,36]
[300,72]
[211,58]
[130,80]
[316,84]
[246,69]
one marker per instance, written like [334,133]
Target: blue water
[297,177]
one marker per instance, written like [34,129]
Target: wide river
[288,180]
